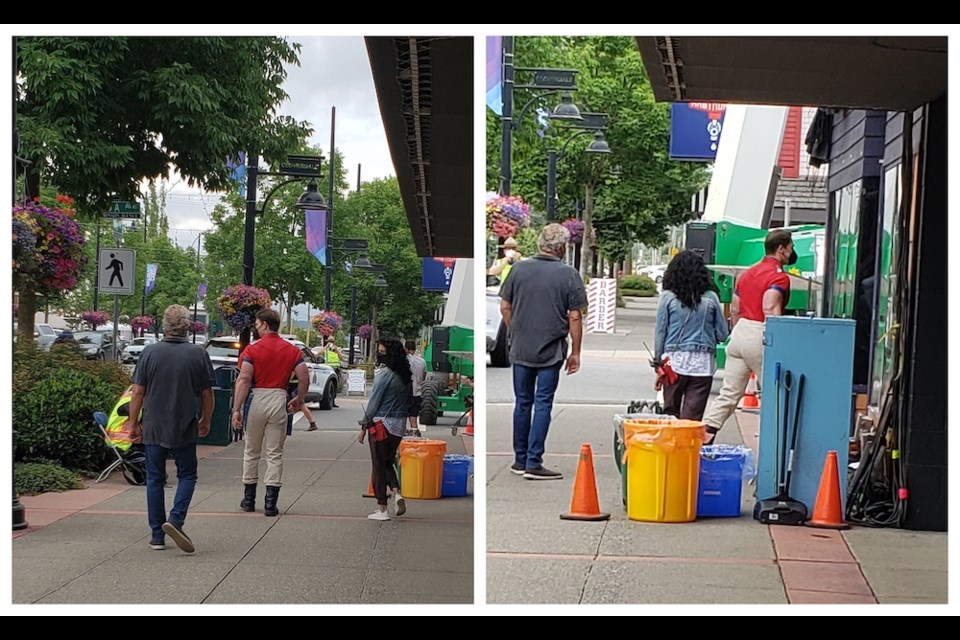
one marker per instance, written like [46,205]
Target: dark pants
[383,454]
[687,399]
[534,388]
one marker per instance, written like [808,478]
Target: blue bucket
[456,471]
[721,478]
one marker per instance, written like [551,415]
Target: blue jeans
[534,388]
[186,460]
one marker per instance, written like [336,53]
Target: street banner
[494,73]
[317,234]
[695,130]
[437,274]
[238,171]
[151,277]
[201,291]
[602,305]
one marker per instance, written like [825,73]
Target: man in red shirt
[266,367]
[763,290]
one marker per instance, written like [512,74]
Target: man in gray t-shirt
[541,303]
[173,383]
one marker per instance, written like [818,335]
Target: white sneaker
[379,515]
[398,504]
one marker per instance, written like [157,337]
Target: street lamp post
[594,123]
[296,168]
[553,81]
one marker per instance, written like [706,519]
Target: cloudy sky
[333,72]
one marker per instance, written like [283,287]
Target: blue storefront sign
[437,273]
[695,130]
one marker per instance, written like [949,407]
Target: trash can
[620,449]
[456,472]
[721,478]
[421,465]
[220,429]
[663,469]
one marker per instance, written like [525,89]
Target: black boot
[249,502]
[270,502]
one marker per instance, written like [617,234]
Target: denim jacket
[680,328]
[390,398]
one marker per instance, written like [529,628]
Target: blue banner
[201,291]
[695,130]
[437,273]
[151,277]
[494,73]
[317,234]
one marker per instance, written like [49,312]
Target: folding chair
[134,471]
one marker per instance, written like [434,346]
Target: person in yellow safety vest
[332,357]
[509,255]
[118,430]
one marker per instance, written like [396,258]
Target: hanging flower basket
[142,323]
[95,318]
[575,227]
[47,247]
[197,327]
[327,323]
[239,304]
[365,331]
[507,214]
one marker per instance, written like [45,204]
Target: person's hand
[203,427]
[362,435]
[238,419]
[294,405]
[657,383]
[573,364]
[136,432]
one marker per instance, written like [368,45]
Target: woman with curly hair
[690,324]
[385,419]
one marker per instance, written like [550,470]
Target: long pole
[333,162]
[551,185]
[96,274]
[143,297]
[249,228]
[196,299]
[358,176]
[353,321]
[506,118]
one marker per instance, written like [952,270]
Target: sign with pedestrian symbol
[117,270]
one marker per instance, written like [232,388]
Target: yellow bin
[663,469]
[421,468]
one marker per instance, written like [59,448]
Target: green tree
[100,114]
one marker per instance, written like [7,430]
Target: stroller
[131,457]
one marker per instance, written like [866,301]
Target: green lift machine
[449,357]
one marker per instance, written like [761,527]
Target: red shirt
[273,360]
[757,280]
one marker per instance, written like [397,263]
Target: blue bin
[721,478]
[456,470]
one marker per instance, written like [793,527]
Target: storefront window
[886,335]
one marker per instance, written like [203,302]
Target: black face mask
[793,257]
[381,358]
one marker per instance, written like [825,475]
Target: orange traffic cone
[585,505]
[369,493]
[827,513]
[469,430]
[750,400]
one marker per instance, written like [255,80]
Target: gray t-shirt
[541,291]
[418,368]
[173,372]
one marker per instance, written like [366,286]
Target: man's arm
[206,411]
[506,309]
[303,385]
[496,268]
[772,303]
[241,389]
[576,334]
[136,403]
[735,310]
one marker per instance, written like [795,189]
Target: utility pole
[333,161]
[196,298]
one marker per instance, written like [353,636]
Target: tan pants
[266,427]
[744,355]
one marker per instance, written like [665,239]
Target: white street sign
[117,271]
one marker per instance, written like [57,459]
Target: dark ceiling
[425,90]
[885,73]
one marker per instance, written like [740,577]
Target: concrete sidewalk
[535,557]
[90,546]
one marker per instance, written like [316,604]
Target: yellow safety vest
[332,358]
[118,432]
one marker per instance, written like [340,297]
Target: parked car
[654,272]
[96,345]
[496,330]
[131,353]
[323,379]
[44,334]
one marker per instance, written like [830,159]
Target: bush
[638,283]
[54,397]
[41,477]
[637,293]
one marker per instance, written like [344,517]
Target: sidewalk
[534,557]
[90,546]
